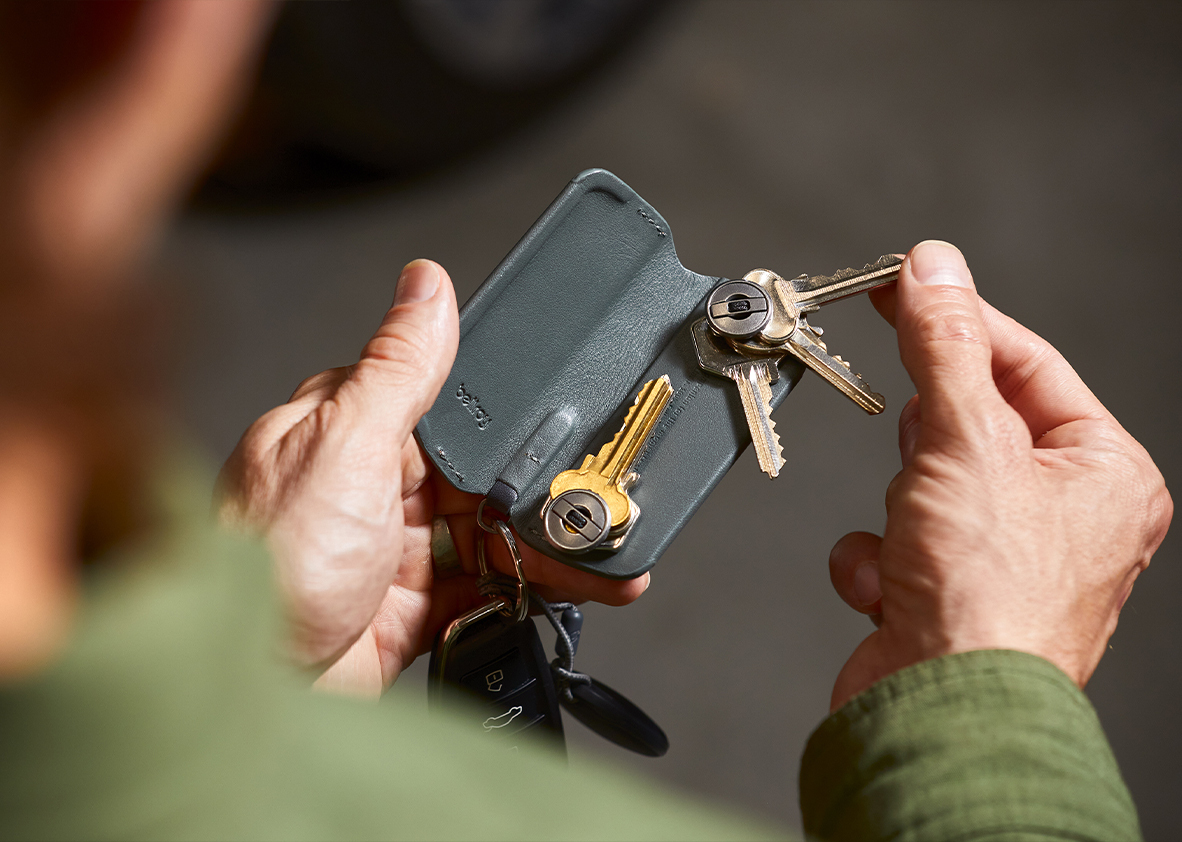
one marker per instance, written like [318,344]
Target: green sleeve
[982,745]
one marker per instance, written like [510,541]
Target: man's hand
[1024,511]
[345,498]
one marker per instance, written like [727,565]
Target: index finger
[1035,379]
[1030,373]
[540,569]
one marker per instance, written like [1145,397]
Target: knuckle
[1149,484]
[910,415]
[946,320]
[1159,512]
[1009,429]
[317,381]
[258,442]
[1132,477]
[405,346]
[896,488]
[1029,355]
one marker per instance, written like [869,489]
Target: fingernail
[866,585]
[935,262]
[418,282]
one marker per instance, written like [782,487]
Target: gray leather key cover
[590,304]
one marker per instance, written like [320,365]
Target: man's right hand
[1024,511]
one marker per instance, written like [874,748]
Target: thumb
[404,365]
[942,337]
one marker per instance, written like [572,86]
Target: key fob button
[501,665]
[515,712]
[498,678]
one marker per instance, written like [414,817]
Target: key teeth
[632,410]
[777,445]
[882,263]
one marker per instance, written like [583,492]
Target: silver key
[806,345]
[754,376]
[808,294]
[805,294]
[788,329]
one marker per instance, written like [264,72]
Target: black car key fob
[497,664]
[492,659]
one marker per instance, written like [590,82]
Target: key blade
[808,293]
[615,458]
[755,394]
[753,376]
[806,347]
[607,473]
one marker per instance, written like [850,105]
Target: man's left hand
[345,498]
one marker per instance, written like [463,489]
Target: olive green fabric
[170,716]
[982,745]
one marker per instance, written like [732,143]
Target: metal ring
[481,561]
[445,558]
[521,609]
[522,586]
[480,519]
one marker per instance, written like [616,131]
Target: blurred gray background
[1045,139]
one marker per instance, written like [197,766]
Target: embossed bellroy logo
[483,419]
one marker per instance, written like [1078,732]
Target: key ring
[480,518]
[521,610]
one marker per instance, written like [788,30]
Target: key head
[718,356]
[738,309]
[588,480]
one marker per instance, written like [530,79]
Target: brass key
[608,476]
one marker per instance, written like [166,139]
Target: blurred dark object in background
[353,95]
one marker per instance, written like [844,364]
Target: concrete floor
[1043,138]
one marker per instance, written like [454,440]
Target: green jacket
[171,717]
